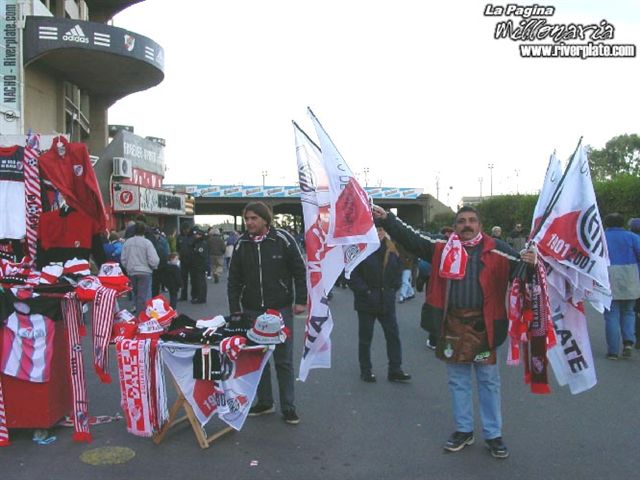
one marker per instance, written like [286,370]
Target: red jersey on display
[73,175]
[72,229]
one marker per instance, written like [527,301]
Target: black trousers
[184,292]
[389,323]
[199,283]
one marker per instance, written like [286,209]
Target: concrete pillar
[98,119]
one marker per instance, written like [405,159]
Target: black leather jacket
[263,274]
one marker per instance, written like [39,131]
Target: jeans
[406,290]
[141,290]
[366,322]
[460,386]
[283,359]
[619,319]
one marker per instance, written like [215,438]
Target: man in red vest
[467,289]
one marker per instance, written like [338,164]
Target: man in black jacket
[265,266]
[375,282]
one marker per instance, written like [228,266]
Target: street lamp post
[517,172]
[366,176]
[491,167]
[264,176]
[480,182]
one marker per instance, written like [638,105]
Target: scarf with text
[531,325]
[72,313]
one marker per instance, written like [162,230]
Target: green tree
[620,156]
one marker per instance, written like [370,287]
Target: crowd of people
[160,261]
[266,270]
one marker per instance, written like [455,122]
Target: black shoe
[261,409]
[196,301]
[291,417]
[458,440]
[497,448]
[368,377]
[216,279]
[398,376]
[183,299]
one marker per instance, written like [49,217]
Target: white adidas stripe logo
[75,35]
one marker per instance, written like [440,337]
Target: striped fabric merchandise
[33,199]
[102,325]
[72,313]
[4,432]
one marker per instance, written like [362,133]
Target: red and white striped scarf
[531,325]
[102,325]
[259,238]
[135,386]
[32,197]
[453,263]
[4,431]
[72,313]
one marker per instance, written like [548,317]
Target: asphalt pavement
[354,430]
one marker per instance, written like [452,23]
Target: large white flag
[572,244]
[573,236]
[325,261]
[350,217]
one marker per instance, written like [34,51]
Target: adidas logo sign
[75,35]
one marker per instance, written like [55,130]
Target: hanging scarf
[102,325]
[4,432]
[33,200]
[72,313]
[142,388]
[531,325]
[453,263]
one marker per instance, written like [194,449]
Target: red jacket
[497,259]
[73,175]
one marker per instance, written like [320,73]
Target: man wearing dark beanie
[267,271]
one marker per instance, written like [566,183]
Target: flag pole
[556,194]
[295,125]
[313,116]
[521,269]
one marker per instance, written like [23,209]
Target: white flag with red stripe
[350,217]
[229,398]
[572,235]
[325,261]
[571,242]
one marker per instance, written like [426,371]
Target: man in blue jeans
[267,271]
[470,275]
[624,254]
[140,259]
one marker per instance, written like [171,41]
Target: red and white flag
[229,398]
[571,241]
[325,260]
[350,216]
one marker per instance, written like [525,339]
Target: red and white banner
[571,241]
[573,236]
[350,217]
[230,398]
[325,260]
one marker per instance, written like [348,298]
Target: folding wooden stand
[204,440]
